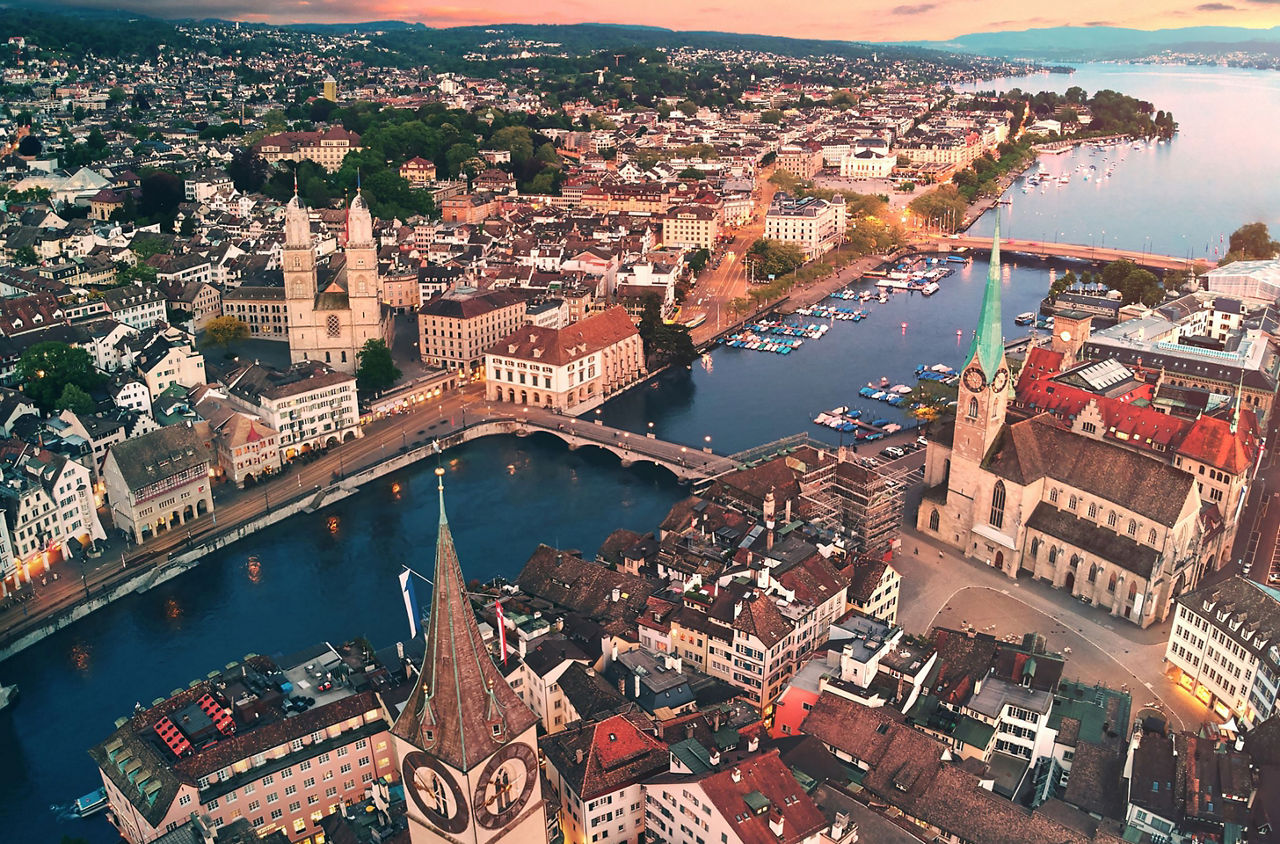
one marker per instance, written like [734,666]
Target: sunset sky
[854,20]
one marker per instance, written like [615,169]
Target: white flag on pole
[410,601]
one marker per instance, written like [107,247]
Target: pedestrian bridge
[1042,249]
[687,463]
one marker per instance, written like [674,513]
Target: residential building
[139,307]
[1224,648]
[263,309]
[159,480]
[170,358]
[456,329]
[694,226]
[247,448]
[418,172]
[815,225]
[309,404]
[49,513]
[234,746]
[327,148]
[570,369]
[803,161]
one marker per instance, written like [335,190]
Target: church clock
[1001,381]
[505,785]
[974,380]
[434,792]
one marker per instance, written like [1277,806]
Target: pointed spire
[358,181]
[444,715]
[1235,414]
[988,340]
[295,183]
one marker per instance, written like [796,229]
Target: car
[892,452]
[922,442]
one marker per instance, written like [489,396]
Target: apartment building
[327,148]
[246,447]
[310,404]
[695,226]
[815,225]
[138,307]
[1224,648]
[169,358]
[456,329]
[159,480]
[418,172]
[237,745]
[801,160]
[569,369]
[263,309]
[47,505]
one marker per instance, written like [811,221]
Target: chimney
[637,686]
[616,595]
[753,744]
[715,757]
[1239,742]
[775,821]
[715,720]
[736,775]
[615,652]
[578,756]
[737,609]
[839,825]
[786,510]
[524,646]
[688,729]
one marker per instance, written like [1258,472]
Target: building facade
[311,405]
[456,329]
[815,225]
[160,480]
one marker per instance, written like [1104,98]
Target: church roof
[988,340]
[462,709]
[1036,448]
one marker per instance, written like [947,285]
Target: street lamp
[707,440]
[598,421]
[650,430]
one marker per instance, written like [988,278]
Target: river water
[506,495]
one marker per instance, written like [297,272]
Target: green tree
[517,140]
[46,369]
[773,258]
[224,330]
[698,259]
[664,343]
[687,107]
[74,399]
[771,115]
[116,95]
[377,371]
[26,256]
[1251,242]
[943,206]
[188,227]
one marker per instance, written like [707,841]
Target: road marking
[1004,591]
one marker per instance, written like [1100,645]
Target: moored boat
[8,694]
[91,803]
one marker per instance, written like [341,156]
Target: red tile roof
[765,775]
[1211,441]
[561,346]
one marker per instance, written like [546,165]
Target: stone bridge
[1092,254]
[687,463]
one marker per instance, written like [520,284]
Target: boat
[8,694]
[90,804]
[930,288]
[696,321]
[1024,318]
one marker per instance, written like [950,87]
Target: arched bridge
[1093,254]
[688,463]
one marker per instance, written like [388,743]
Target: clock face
[1001,380]
[505,785]
[974,380]
[434,792]
[1065,335]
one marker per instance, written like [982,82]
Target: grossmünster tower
[467,744]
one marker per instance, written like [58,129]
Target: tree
[377,371]
[188,227]
[771,115]
[698,260]
[664,343]
[116,95]
[943,206]
[26,256]
[30,146]
[161,193]
[1251,242]
[47,368]
[774,258]
[224,330]
[687,107]
[74,399]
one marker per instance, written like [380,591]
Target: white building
[1256,282]
[48,502]
[815,225]
[137,307]
[309,404]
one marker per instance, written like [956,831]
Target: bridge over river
[1041,249]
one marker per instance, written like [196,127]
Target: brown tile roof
[1036,448]
[471,306]
[582,586]
[764,776]
[616,753]
[1082,533]
[761,617]
[561,346]
[163,453]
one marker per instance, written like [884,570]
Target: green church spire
[988,341]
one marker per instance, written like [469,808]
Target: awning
[989,532]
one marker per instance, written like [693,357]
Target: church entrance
[1070,583]
[999,563]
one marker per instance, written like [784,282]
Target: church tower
[467,744]
[298,258]
[984,381]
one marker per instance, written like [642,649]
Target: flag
[436,445]
[410,602]
[502,631]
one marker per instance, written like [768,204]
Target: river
[506,495]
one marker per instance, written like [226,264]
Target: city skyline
[862,20]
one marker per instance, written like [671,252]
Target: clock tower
[467,744]
[984,381]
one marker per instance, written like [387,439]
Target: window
[1093,511]
[1053,496]
[1071,503]
[1111,584]
[1151,537]
[1133,528]
[997,505]
[1111,519]
[933,520]
[973,408]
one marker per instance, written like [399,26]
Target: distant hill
[1076,43]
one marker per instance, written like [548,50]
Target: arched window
[1111,584]
[1053,495]
[1035,547]
[1093,511]
[1071,503]
[1133,589]
[1151,537]
[1133,528]
[1093,573]
[1075,560]
[1111,519]
[997,505]
[1053,556]
[933,520]
[973,408]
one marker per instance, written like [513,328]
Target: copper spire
[462,709]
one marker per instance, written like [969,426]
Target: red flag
[502,631]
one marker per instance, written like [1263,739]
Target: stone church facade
[332,310]
[1113,527]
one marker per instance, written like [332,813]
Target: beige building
[815,225]
[1224,649]
[246,447]
[696,226]
[160,480]
[1116,528]
[170,358]
[456,329]
[867,164]
[309,404]
[570,369]
[327,148]
[333,312]
[263,309]
[418,172]
[802,160]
